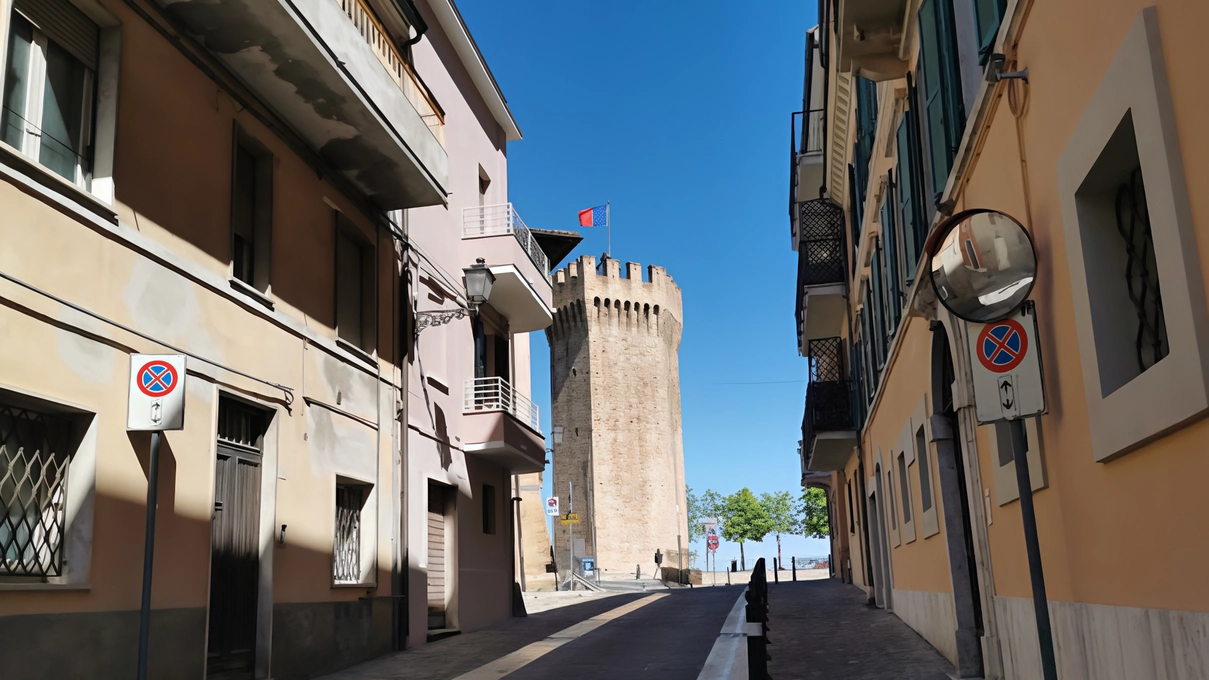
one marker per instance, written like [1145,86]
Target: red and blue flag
[594,217]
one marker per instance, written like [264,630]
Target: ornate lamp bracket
[437,317]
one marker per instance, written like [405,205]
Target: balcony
[868,35]
[522,290]
[807,129]
[332,72]
[822,271]
[502,426]
[828,429]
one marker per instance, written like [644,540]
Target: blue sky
[678,113]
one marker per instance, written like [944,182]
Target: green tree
[783,515]
[812,509]
[695,515]
[744,519]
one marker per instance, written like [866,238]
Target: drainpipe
[420,25]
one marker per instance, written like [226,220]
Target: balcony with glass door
[502,425]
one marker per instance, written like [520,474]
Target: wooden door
[234,551]
[436,558]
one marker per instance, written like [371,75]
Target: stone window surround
[920,420]
[904,448]
[1174,391]
[81,496]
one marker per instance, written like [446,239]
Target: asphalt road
[669,639]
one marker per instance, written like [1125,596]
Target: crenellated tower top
[586,291]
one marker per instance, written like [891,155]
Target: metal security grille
[825,363]
[33,492]
[346,554]
[829,395]
[821,250]
[1141,271]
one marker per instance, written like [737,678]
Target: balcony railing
[828,409]
[413,88]
[492,220]
[495,394]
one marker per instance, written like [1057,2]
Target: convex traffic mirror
[982,264]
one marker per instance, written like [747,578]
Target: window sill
[355,351]
[12,585]
[43,177]
[359,586]
[249,291]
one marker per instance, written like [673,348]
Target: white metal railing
[400,71]
[495,394]
[491,220]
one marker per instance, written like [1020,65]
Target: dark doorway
[956,498]
[438,556]
[234,551]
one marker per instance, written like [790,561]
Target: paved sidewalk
[824,630]
[454,656]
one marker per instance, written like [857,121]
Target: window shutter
[988,14]
[63,23]
[944,111]
[906,197]
[878,302]
[890,231]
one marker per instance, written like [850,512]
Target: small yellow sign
[570,518]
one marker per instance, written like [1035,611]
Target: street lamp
[479,280]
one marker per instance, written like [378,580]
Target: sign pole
[570,539]
[1032,546]
[153,470]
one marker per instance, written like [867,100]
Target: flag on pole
[594,217]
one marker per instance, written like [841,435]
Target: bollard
[776,570]
[637,571]
[793,564]
[757,612]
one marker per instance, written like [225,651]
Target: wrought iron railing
[820,242]
[33,493]
[346,551]
[495,394]
[400,71]
[492,220]
[828,409]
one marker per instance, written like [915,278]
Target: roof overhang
[454,27]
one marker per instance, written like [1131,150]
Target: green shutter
[906,198]
[988,14]
[943,108]
[877,301]
[891,235]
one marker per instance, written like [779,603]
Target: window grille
[33,492]
[821,247]
[346,554]
[1141,271]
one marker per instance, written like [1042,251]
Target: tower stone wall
[615,390]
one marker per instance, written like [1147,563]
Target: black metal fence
[820,242]
[757,612]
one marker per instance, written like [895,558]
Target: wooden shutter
[890,234]
[988,14]
[942,102]
[63,23]
[878,302]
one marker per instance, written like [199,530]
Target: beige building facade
[1099,154]
[287,193]
[615,392]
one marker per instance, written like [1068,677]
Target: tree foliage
[812,509]
[783,513]
[695,514]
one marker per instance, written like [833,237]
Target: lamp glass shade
[478,284]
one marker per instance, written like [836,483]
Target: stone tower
[615,388]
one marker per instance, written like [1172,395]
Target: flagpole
[608,230]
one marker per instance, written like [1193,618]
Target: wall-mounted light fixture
[995,70]
[479,280]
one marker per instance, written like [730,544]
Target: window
[488,509]
[893,302]
[925,469]
[251,211]
[1142,361]
[851,510]
[34,459]
[878,302]
[346,551]
[890,508]
[943,111]
[906,490]
[484,183]
[866,130]
[355,287]
[1007,488]
[988,14]
[48,87]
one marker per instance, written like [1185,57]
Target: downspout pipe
[413,15]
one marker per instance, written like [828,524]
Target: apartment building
[286,193]
[1096,150]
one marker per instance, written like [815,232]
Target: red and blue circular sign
[1002,346]
[157,379]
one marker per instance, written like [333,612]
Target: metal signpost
[156,403]
[983,267]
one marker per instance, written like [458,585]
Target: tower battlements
[589,293]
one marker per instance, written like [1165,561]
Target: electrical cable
[289,392]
